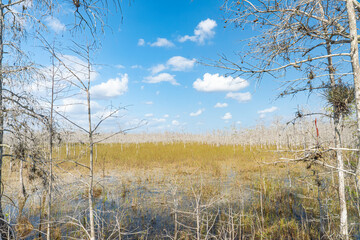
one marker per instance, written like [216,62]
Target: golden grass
[181,157]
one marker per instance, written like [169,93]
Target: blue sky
[149,62]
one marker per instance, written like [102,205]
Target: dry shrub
[23,227]
[97,191]
[55,233]
[283,229]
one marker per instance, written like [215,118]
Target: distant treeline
[301,133]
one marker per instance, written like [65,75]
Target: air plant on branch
[341,97]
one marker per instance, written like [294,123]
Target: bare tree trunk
[342,196]
[91,142]
[22,185]
[339,159]
[51,134]
[354,54]
[3,226]
[91,176]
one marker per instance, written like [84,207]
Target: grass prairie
[182,156]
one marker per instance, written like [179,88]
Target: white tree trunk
[342,195]
[91,160]
[354,53]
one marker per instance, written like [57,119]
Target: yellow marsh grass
[180,156]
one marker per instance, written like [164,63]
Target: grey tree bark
[354,54]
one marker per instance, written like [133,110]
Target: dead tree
[89,15]
[308,38]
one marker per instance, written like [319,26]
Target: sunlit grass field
[214,159]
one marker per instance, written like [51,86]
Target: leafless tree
[81,80]
[309,38]
[14,62]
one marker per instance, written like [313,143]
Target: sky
[150,61]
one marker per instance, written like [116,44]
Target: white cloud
[220,105]
[166,115]
[72,69]
[74,106]
[159,120]
[175,123]
[149,103]
[162,77]
[136,66]
[240,97]
[111,88]
[227,116]
[158,68]
[268,110]
[203,31]
[55,24]
[141,42]
[217,83]
[197,113]
[176,63]
[149,115]
[162,42]
[179,63]
[119,66]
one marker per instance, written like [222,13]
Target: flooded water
[135,205]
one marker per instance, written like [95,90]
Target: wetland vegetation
[183,190]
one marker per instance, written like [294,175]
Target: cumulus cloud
[179,63]
[75,69]
[158,68]
[111,88]
[149,103]
[55,24]
[119,66]
[166,115]
[176,63]
[203,31]
[75,106]
[240,97]
[162,42]
[217,83]
[220,105]
[70,68]
[159,120]
[197,113]
[136,66]
[227,116]
[141,42]
[162,77]
[267,110]
[149,115]
[175,123]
